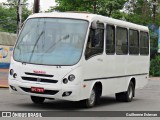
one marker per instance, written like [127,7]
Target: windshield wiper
[65,37]
[35,45]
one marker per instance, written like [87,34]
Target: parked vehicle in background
[7,41]
[79,57]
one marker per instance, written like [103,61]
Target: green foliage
[155,66]
[73,5]
[8,17]
[153,45]
[140,12]
[109,8]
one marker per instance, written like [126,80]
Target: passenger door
[93,66]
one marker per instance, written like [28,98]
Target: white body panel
[113,71]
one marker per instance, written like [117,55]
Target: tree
[104,7]
[7,19]
[143,12]
[8,16]
[72,5]
[110,8]
[139,11]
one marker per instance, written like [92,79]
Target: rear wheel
[37,100]
[128,95]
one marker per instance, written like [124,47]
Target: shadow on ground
[67,105]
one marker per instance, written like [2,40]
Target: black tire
[128,95]
[98,95]
[90,102]
[37,100]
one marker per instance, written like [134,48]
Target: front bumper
[51,90]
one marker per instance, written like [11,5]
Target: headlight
[65,81]
[11,72]
[71,77]
[14,75]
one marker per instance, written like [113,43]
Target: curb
[154,78]
[4,86]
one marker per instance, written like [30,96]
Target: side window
[133,42]
[95,41]
[121,41]
[110,39]
[144,43]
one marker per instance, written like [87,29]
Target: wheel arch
[133,80]
[98,86]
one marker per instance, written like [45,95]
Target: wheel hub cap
[92,97]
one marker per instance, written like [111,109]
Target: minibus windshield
[51,41]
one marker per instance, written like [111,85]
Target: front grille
[39,80]
[41,75]
[46,92]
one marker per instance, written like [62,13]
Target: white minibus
[79,57]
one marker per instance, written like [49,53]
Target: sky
[44,4]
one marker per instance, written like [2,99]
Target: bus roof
[90,17]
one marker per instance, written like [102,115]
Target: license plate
[37,89]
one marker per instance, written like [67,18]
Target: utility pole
[19,17]
[36,6]
[19,13]
[94,6]
[154,10]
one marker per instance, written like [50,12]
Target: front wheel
[128,95]
[37,100]
[90,102]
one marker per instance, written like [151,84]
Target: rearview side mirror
[94,25]
[97,25]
